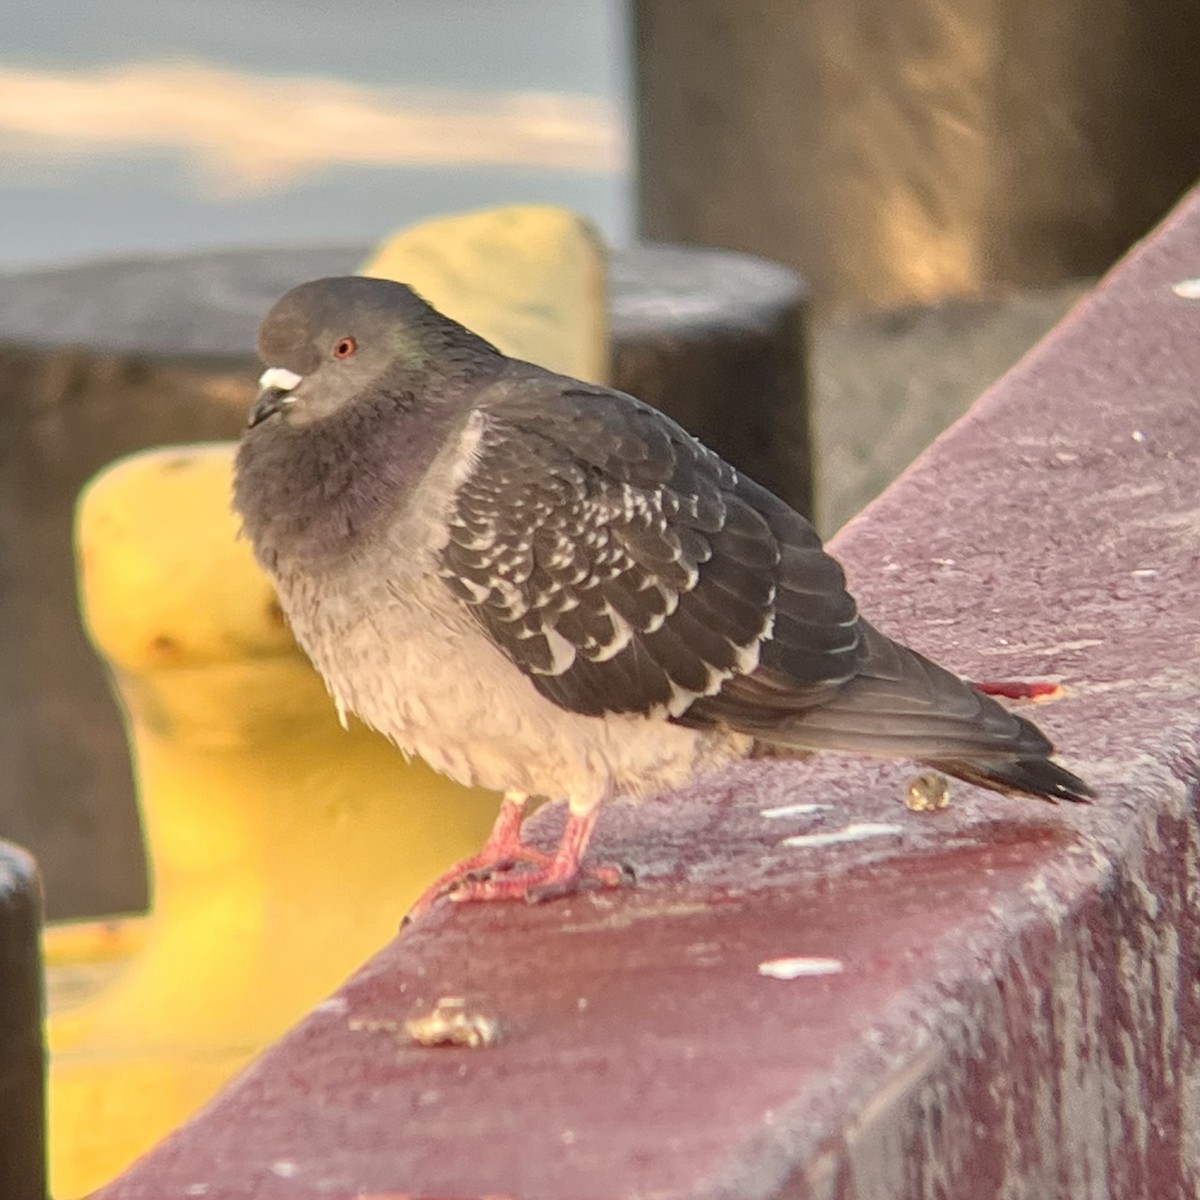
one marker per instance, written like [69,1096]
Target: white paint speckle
[335,1004]
[1187,289]
[1138,436]
[799,968]
[851,833]
[285,1168]
[196,1189]
[794,810]
[1145,573]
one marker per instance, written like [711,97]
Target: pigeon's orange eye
[344,347]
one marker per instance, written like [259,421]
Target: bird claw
[500,866]
[476,870]
[540,884]
[490,874]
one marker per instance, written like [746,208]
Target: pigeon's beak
[275,388]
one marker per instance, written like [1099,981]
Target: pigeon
[548,588]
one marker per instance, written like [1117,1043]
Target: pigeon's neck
[434,353]
[316,493]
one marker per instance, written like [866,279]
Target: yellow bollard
[283,850]
[529,278]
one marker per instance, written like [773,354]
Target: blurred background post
[905,152]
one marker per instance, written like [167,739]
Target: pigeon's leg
[560,876]
[502,850]
[504,845]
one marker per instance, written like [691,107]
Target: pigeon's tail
[900,704]
[1029,776]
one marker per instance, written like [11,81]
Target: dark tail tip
[1031,776]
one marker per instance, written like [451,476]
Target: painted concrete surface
[1015,1010]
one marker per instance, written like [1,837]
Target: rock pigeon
[548,588]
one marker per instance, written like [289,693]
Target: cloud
[247,134]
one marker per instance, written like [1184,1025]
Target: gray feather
[619,562]
[722,605]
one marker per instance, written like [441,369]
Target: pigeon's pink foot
[542,883]
[561,875]
[503,849]
[1019,689]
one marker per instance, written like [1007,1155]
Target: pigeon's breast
[400,650]
[315,494]
[406,659]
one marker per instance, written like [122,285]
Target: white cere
[281,378]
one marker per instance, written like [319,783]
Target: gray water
[78,182]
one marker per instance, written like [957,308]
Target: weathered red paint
[1018,689]
[1018,1009]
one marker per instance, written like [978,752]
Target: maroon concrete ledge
[1017,1012]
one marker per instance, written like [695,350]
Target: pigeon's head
[330,342]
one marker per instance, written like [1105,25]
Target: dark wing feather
[624,567]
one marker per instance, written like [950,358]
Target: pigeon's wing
[626,568]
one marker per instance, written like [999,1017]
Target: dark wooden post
[22,1058]
[717,340]
[904,151]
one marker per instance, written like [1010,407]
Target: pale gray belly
[413,664]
